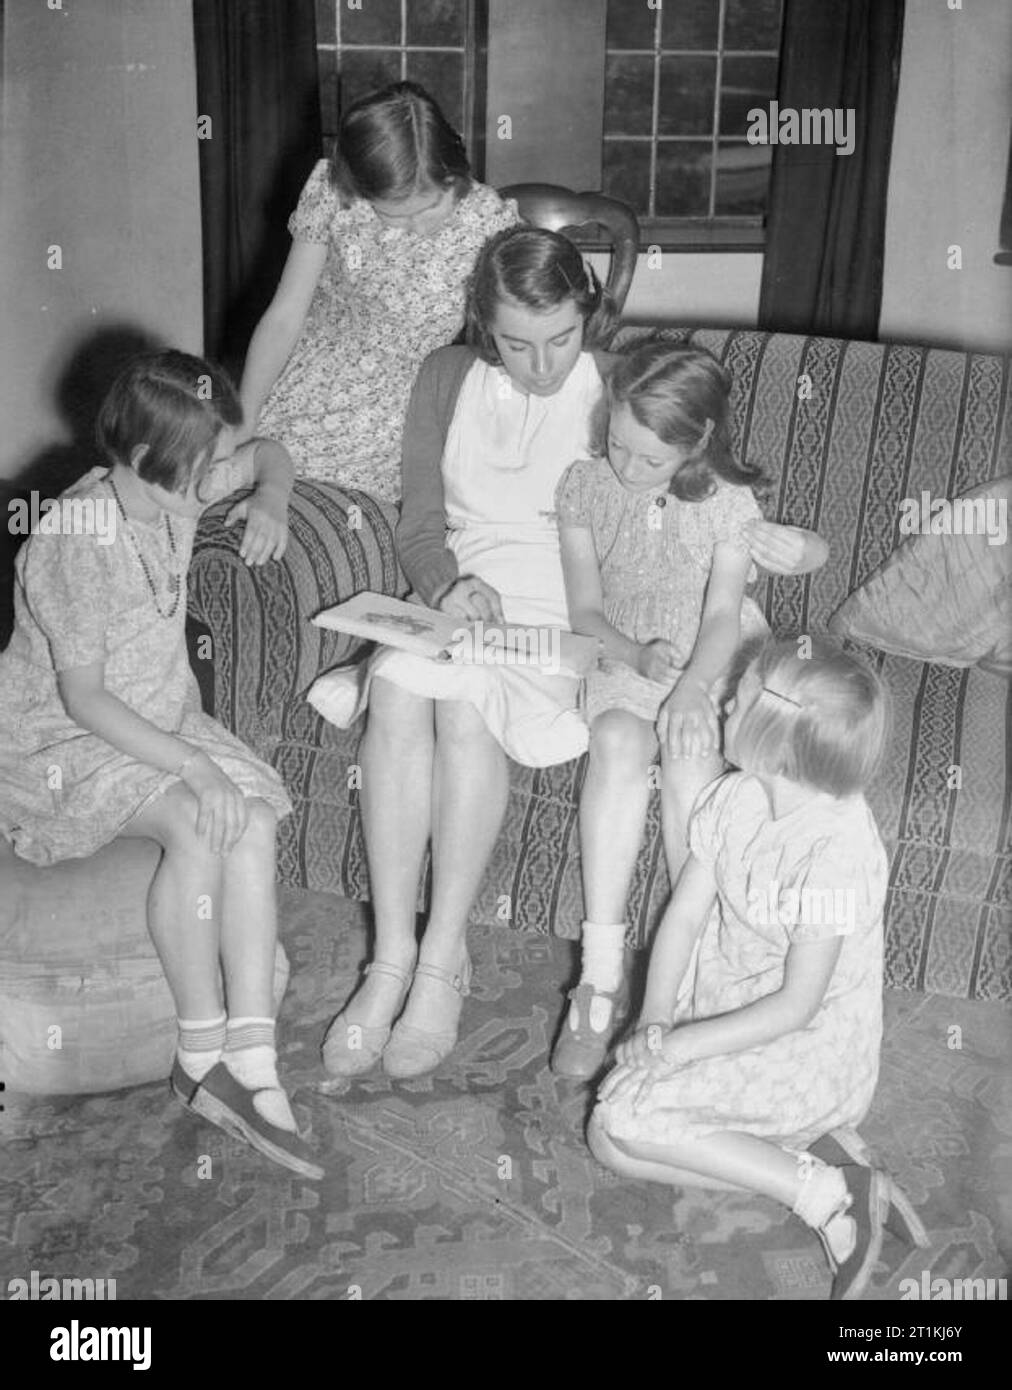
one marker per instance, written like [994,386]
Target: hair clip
[781,696]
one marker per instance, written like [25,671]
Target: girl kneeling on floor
[762,1020]
[97,681]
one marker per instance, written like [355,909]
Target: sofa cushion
[943,595]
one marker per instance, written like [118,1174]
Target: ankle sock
[602,961]
[822,1204]
[251,1056]
[200,1044]
[603,945]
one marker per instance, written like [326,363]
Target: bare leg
[184,901]
[729,1160]
[396,801]
[470,787]
[610,1154]
[682,779]
[613,810]
[249,917]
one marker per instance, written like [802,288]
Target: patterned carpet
[475,1183]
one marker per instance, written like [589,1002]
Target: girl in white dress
[762,1020]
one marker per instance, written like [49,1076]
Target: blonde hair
[820,719]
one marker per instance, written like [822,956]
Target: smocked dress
[80,598]
[386,298]
[818,871]
[502,460]
[654,553]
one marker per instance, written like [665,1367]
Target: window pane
[364,72]
[439,22]
[326,66]
[690,23]
[326,21]
[378,21]
[686,102]
[442,76]
[745,83]
[626,172]
[628,95]
[683,178]
[631,24]
[752,24]
[743,175]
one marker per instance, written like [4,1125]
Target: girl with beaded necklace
[105,738]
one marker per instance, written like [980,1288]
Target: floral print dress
[655,554]
[820,870]
[385,300]
[78,599]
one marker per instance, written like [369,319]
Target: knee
[396,717]
[261,826]
[176,824]
[460,729]
[602,1146]
[622,741]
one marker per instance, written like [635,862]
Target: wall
[720,290]
[947,177]
[100,158]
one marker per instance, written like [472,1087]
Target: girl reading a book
[490,429]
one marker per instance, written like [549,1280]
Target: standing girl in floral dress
[384,237]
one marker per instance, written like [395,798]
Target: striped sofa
[846,430]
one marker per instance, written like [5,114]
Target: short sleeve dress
[385,300]
[82,596]
[655,553]
[818,871]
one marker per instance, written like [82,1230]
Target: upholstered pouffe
[84,1005]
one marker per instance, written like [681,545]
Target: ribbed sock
[200,1044]
[822,1204]
[251,1056]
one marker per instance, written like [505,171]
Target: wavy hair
[675,391]
[538,270]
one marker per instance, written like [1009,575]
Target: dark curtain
[257,81]
[822,271]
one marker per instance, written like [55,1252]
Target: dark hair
[174,403]
[676,391]
[821,717]
[394,143]
[539,270]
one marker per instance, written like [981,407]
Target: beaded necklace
[175,584]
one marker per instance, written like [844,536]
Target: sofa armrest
[264,649]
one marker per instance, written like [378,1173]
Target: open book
[443,637]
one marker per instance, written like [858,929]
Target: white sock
[601,966]
[822,1204]
[251,1056]
[200,1044]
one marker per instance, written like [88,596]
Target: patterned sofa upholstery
[845,430]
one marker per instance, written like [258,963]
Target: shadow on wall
[91,366]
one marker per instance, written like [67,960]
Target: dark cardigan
[429,566]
